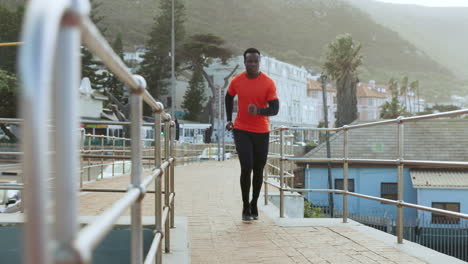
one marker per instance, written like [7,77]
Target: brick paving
[209,195]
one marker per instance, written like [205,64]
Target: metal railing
[49,64]
[281,158]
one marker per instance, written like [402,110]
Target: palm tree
[415,90]
[393,108]
[404,91]
[393,87]
[342,59]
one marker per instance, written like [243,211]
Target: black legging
[252,149]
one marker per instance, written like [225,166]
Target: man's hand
[229,126]
[252,109]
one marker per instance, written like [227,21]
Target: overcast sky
[430,2]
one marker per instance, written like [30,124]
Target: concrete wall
[90,107]
[366,181]
[293,204]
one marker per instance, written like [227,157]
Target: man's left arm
[271,110]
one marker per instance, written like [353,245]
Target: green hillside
[440,31]
[295,31]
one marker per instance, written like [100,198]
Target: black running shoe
[246,214]
[254,210]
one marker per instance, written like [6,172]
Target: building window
[389,190]
[443,219]
[316,94]
[339,184]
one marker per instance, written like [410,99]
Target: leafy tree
[392,109]
[198,52]
[438,108]
[156,65]
[8,99]
[112,84]
[194,97]
[8,91]
[89,64]
[342,58]
[10,28]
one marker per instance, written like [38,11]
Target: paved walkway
[209,195]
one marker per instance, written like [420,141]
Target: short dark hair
[251,50]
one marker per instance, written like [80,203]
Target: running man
[257,100]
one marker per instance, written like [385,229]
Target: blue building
[435,186]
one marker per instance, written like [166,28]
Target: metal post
[65,86]
[172,141]
[102,159]
[35,144]
[113,156]
[400,181]
[281,172]
[265,179]
[166,186]
[81,162]
[157,183]
[345,175]
[124,142]
[223,145]
[219,123]
[89,159]
[136,146]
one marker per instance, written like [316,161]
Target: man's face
[252,63]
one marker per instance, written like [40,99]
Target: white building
[315,95]
[91,101]
[135,56]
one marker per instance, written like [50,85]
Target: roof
[435,178]
[99,96]
[438,139]
[315,85]
[364,91]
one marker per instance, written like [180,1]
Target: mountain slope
[439,31]
[295,31]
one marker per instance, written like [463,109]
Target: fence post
[172,154]
[102,159]
[65,162]
[345,175]
[281,172]
[166,186]
[400,180]
[80,159]
[265,191]
[136,105]
[124,142]
[113,156]
[157,183]
[89,157]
